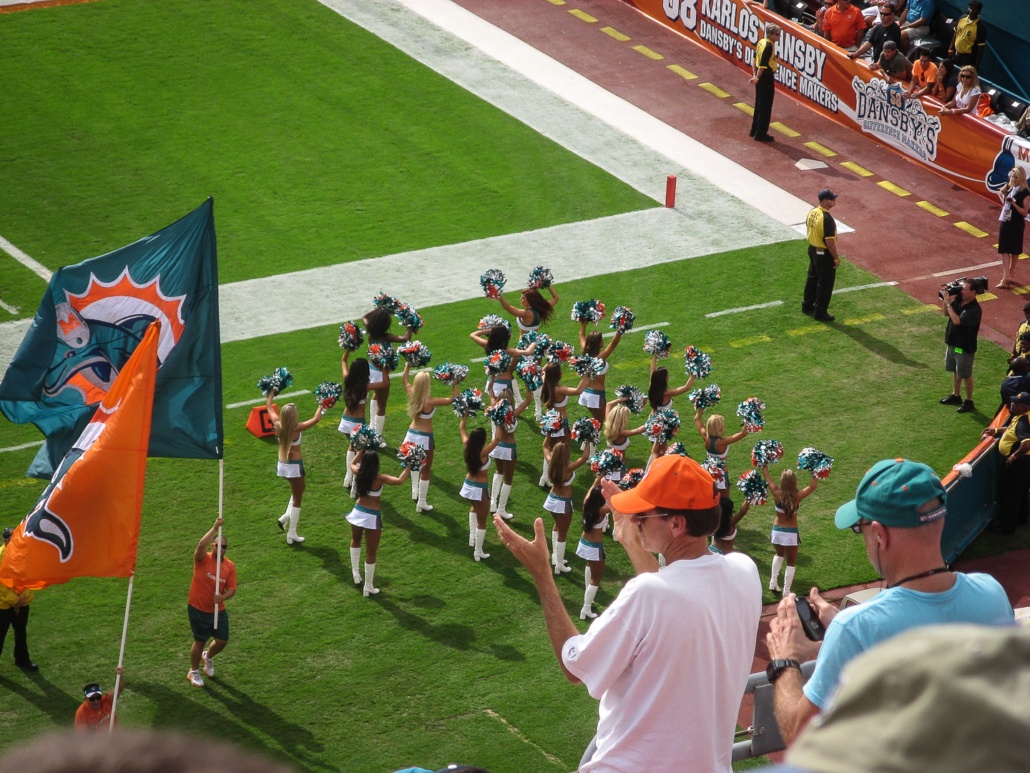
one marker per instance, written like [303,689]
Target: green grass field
[321,145]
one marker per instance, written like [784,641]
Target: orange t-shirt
[923,76]
[841,27]
[202,589]
[88,719]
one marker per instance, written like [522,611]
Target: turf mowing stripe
[522,737]
[897,190]
[641,329]
[22,447]
[970,229]
[650,54]
[682,72]
[35,267]
[822,150]
[859,170]
[744,107]
[614,33]
[784,129]
[931,208]
[583,16]
[711,88]
[9,308]
[743,309]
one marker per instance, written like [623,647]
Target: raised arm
[404,377]
[344,365]
[700,427]
[582,335]
[772,485]
[273,412]
[463,429]
[201,551]
[670,393]
[607,351]
[577,463]
[480,336]
[811,487]
[395,480]
[312,421]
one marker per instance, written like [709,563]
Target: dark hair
[592,345]
[725,518]
[948,66]
[377,323]
[539,304]
[656,389]
[355,386]
[592,506]
[920,51]
[498,338]
[474,450]
[368,471]
[559,464]
[1019,366]
[700,523]
[552,379]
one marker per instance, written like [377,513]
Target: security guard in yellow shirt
[822,258]
[14,613]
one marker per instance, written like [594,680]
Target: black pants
[18,619]
[821,276]
[765,90]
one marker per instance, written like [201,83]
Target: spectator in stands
[1014,476]
[878,34]
[893,64]
[899,511]
[966,95]
[1015,204]
[874,7]
[819,14]
[670,657]
[1024,327]
[1016,381]
[924,73]
[916,21]
[943,87]
[844,25]
[967,44]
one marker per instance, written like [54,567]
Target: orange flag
[86,523]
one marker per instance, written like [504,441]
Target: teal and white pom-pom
[409,317]
[753,487]
[588,311]
[530,337]
[501,413]
[383,356]
[697,362]
[586,430]
[715,466]
[657,344]
[493,320]
[497,362]
[622,319]
[492,282]
[816,462]
[468,402]
[552,421]
[411,455]
[365,437]
[766,452]
[450,373]
[384,301]
[606,461]
[531,373]
[540,278]
[636,399]
[351,336]
[588,366]
[750,413]
[631,479]
[662,425]
[327,393]
[276,383]
[705,397]
[677,448]
[415,354]
[560,352]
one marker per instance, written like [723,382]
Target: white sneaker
[195,678]
[209,664]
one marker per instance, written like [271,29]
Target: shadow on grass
[878,346]
[48,699]
[330,558]
[242,720]
[459,637]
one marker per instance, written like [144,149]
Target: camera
[951,289]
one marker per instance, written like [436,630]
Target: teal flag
[90,321]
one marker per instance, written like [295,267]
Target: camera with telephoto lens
[951,289]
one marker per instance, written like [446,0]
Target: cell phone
[810,622]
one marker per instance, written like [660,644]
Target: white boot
[348,479]
[479,555]
[285,517]
[373,406]
[495,491]
[777,564]
[554,545]
[586,575]
[370,573]
[588,602]
[378,422]
[502,502]
[538,406]
[788,579]
[560,567]
[423,489]
[473,524]
[545,476]
[291,535]
[414,487]
[355,564]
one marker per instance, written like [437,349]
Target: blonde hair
[788,491]
[420,389]
[507,394]
[974,81]
[715,426]
[286,429]
[615,423]
[1020,174]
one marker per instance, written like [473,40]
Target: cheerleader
[591,546]
[716,445]
[421,407]
[722,540]
[504,455]
[377,324]
[593,397]
[288,433]
[784,537]
[535,310]
[559,501]
[355,395]
[617,432]
[366,519]
[477,462]
[496,339]
[658,393]
[555,397]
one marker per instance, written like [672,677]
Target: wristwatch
[778,666]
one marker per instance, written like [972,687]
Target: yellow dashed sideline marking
[556,2]
[583,15]
[687,74]
[931,208]
[711,88]
[859,170]
[986,297]
[615,34]
[1021,290]
[653,55]
[921,309]
[744,107]
[970,229]
[897,190]
[822,150]
[741,343]
[864,320]
[783,129]
[804,331]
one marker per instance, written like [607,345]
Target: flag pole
[121,656]
[218,543]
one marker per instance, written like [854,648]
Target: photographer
[958,301]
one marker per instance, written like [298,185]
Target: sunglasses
[95,698]
[857,526]
[651,515]
[966,77]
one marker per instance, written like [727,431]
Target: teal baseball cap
[891,493]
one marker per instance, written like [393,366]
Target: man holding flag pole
[214,583]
